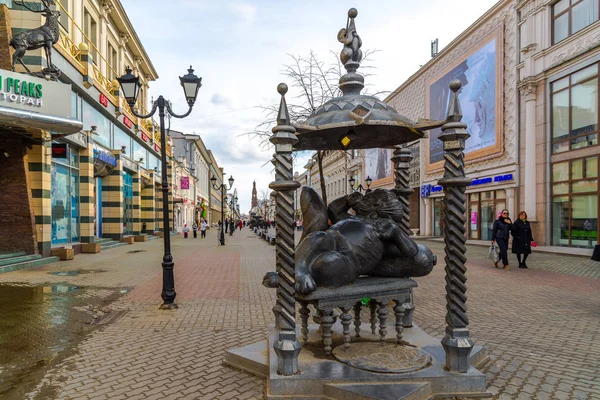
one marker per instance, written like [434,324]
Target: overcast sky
[240,47]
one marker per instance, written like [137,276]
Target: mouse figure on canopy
[364,239]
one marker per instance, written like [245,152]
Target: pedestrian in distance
[185,231]
[226,224]
[203,226]
[501,234]
[195,229]
[522,239]
[240,224]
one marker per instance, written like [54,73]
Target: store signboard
[28,93]
[59,150]
[427,190]
[104,156]
[128,164]
[185,182]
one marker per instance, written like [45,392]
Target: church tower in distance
[254,195]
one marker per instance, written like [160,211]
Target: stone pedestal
[90,248]
[128,239]
[64,253]
[140,238]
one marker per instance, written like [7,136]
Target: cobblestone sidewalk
[541,327]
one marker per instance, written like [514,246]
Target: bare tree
[314,82]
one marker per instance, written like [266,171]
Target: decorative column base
[457,346]
[287,349]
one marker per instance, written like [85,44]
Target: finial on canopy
[351,83]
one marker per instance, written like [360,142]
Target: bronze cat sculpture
[364,239]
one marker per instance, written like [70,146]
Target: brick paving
[541,327]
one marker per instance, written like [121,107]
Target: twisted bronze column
[287,347]
[401,159]
[457,343]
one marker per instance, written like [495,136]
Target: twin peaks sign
[21,91]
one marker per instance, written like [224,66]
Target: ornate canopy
[356,121]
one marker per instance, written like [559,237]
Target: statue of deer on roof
[45,36]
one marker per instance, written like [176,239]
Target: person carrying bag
[494,255]
[500,234]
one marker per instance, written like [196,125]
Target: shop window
[483,211]
[575,203]
[93,117]
[121,138]
[64,197]
[571,16]
[575,110]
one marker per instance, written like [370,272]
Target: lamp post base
[168,306]
[457,345]
[287,349]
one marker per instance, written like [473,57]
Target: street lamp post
[222,187]
[130,85]
[360,187]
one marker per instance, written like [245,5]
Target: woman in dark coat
[500,234]
[522,238]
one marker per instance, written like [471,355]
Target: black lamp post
[360,187]
[130,85]
[222,187]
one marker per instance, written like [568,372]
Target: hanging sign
[103,100]
[185,182]
[59,150]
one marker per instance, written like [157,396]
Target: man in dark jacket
[500,234]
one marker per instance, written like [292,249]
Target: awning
[28,119]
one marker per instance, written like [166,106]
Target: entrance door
[127,203]
[438,212]
[98,209]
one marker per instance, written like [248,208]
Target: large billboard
[480,72]
[378,166]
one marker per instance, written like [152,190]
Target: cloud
[245,12]
[219,99]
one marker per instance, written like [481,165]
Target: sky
[239,48]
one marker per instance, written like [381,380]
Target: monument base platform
[324,377]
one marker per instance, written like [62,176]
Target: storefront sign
[145,137]
[25,92]
[127,122]
[427,190]
[185,182]
[105,157]
[156,148]
[59,150]
[103,100]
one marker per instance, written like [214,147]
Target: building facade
[484,58]
[530,72]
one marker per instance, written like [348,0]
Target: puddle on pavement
[40,326]
[77,272]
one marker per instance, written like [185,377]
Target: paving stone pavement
[541,327]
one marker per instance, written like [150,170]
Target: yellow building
[102,183]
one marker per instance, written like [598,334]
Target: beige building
[484,58]
[529,70]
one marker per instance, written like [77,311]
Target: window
[90,29]
[575,110]
[575,202]
[91,116]
[571,16]
[64,17]
[113,63]
[64,197]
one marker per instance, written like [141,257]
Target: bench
[373,293]
[129,239]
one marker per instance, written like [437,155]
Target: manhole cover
[136,251]
[391,358]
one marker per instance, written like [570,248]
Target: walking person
[203,226]
[500,234]
[226,224]
[522,239]
[185,231]
[195,229]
